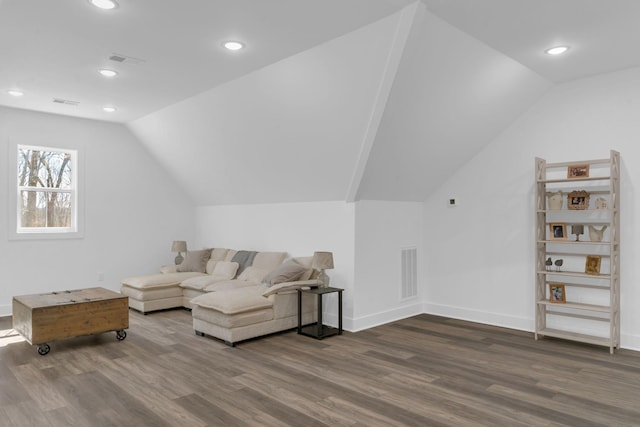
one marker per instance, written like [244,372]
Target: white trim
[77,191]
[376,319]
[477,316]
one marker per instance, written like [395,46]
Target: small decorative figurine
[558,265]
[548,263]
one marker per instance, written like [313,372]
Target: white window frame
[17,232]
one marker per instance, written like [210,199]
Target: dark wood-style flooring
[421,371]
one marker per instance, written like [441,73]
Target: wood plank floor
[421,371]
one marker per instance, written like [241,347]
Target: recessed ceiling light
[108,73]
[104,4]
[109,109]
[232,45]
[16,93]
[557,50]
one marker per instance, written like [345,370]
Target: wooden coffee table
[42,318]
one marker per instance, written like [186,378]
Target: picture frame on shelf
[578,200]
[557,231]
[557,294]
[592,265]
[578,171]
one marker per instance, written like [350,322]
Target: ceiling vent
[65,102]
[124,59]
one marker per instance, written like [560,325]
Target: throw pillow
[195,261]
[226,269]
[290,271]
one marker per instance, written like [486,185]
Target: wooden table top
[75,296]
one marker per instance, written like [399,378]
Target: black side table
[318,330]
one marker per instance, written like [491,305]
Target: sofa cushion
[217,254]
[206,283]
[151,294]
[268,260]
[195,261]
[288,272]
[307,262]
[223,285]
[232,321]
[226,269]
[253,274]
[234,301]
[169,269]
[158,280]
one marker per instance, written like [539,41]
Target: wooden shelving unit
[592,300]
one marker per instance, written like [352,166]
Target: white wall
[132,210]
[382,230]
[297,228]
[365,238]
[480,255]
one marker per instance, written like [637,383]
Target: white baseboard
[5,310]
[630,342]
[495,319]
[377,319]
[627,341]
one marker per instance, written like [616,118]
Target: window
[47,190]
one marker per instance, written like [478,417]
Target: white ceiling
[53,49]
[604,35]
[293,117]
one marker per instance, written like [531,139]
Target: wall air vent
[409,257]
[65,102]
[124,59]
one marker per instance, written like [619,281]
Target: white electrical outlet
[100,276]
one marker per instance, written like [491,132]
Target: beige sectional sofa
[234,295]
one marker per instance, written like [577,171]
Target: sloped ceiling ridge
[289,132]
[452,95]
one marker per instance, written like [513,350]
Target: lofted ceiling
[53,49]
[330,100]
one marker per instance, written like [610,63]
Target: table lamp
[179,246]
[322,261]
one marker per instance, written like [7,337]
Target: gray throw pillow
[195,261]
[290,271]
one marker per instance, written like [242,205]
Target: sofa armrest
[289,286]
[168,269]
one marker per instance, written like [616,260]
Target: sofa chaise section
[271,306]
[240,314]
[156,291]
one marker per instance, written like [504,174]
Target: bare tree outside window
[45,188]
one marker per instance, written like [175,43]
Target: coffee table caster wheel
[43,349]
[120,335]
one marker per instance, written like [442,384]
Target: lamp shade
[179,246]
[322,260]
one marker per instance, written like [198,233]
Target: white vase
[555,200]
[596,235]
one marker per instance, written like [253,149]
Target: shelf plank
[575,274]
[580,285]
[584,162]
[578,316]
[574,242]
[591,178]
[574,254]
[574,336]
[577,306]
